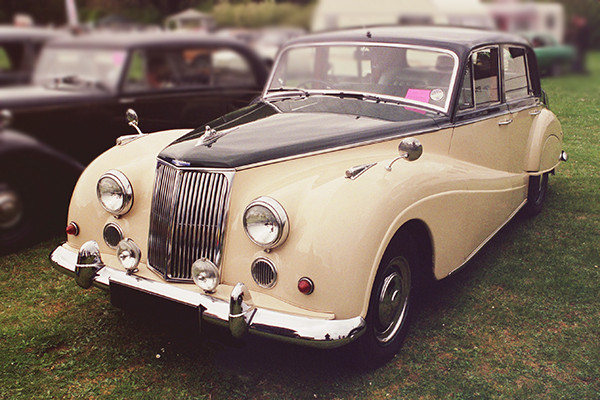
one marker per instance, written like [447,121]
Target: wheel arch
[418,230]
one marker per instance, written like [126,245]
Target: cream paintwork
[340,228]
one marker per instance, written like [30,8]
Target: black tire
[391,303]
[536,194]
[18,227]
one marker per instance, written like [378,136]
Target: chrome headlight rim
[280,217]
[124,186]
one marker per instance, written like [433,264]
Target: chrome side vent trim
[264,272]
[187,222]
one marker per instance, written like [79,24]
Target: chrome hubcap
[393,299]
[11,207]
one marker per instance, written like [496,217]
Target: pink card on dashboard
[421,95]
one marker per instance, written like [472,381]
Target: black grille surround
[188,218]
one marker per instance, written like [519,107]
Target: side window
[190,67]
[231,69]
[516,82]
[5,64]
[136,74]
[485,76]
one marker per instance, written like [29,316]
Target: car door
[481,139]
[524,106]
[183,87]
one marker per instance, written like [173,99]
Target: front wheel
[390,304]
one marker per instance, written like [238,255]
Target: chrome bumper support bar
[239,314]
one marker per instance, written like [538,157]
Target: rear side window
[485,76]
[516,81]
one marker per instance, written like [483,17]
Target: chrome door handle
[507,122]
[536,112]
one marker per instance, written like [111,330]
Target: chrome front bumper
[239,314]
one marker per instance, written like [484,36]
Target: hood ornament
[210,136]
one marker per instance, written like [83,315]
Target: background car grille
[189,210]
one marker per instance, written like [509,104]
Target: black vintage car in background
[75,109]
[19,49]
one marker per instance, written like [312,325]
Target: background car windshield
[80,67]
[417,74]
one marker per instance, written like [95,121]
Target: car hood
[262,132]
[20,97]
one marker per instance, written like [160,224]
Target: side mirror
[133,120]
[410,149]
[5,119]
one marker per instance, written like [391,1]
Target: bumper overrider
[239,314]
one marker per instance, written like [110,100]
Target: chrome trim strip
[445,109]
[324,333]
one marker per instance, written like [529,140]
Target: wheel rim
[392,299]
[11,207]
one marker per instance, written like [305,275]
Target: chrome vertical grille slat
[189,210]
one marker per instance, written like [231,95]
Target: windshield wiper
[286,92]
[374,98]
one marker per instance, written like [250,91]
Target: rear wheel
[390,305]
[536,194]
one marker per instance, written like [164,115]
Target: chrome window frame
[451,85]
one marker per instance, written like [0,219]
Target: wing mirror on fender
[410,149]
[132,120]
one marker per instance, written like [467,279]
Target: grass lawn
[522,320]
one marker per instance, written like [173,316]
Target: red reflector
[72,229]
[306,286]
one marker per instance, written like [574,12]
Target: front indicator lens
[115,192]
[266,223]
[129,254]
[205,275]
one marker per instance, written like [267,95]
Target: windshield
[415,75]
[100,68]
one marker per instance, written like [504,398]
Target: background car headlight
[266,222]
[115,192]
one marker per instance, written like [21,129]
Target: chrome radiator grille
[187,222]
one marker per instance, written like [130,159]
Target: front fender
[339,228]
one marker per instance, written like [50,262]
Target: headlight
[266,222]
[114,192]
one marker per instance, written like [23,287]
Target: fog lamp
[129,254]
[205,274]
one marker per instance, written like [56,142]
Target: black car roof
[143,39]
[459,40]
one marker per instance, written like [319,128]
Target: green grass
[522,320]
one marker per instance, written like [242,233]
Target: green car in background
[553,58]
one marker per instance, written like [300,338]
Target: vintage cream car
[374,160]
